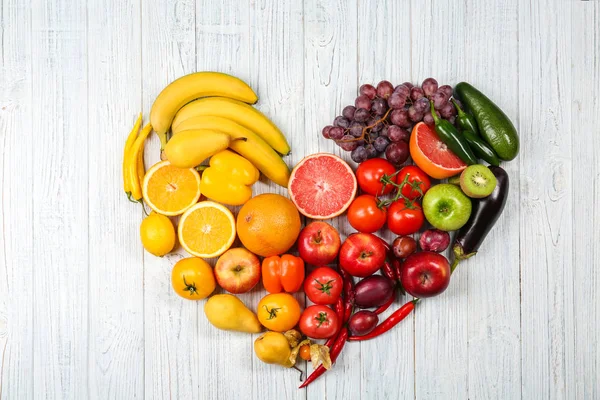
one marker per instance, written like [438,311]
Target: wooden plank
[384,53]
[172,357]
[277,74]
[330,79]
[585,139]
[493,276]
[116,284]
[16,170]
[546,199]
[441,358]
[60,199]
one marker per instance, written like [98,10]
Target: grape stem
[364,131]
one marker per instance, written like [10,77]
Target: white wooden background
[85,313]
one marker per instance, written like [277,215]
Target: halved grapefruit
[322,186]
[432,155]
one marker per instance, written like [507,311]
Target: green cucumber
[494,126]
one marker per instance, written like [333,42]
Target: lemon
[158,234]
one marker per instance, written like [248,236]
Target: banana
[239,112]
[131,167]
[189,148]
[128,143]
[254,148]
[193,86]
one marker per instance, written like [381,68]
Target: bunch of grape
[382,117]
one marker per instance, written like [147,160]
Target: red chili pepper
[389,323]
[385,306]
[388,271]
[334,353]
[348,295]
[397,267]
[385,244]
[339,309]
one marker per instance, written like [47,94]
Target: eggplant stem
[454,265]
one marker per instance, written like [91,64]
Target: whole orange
[268,224]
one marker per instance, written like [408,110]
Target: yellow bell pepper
[229,178]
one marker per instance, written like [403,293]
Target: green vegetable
[481,149]
[494,126]
[466,122]
[454,140]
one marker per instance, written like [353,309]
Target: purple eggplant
[484,215]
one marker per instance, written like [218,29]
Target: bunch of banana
[133,160]
[208,112]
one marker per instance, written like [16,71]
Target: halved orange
[169,190]
[432,155]
[207,229]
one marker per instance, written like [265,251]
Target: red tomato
[319,322]
[323,286]
[369,175]
[405,218]
[417,179]
[364,214]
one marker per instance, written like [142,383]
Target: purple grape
[452,119]
[371,152]
[368,90]
[325,132]
[400,118]
[381,143]
[428,118]
[403,91]
[384,131]
[458,102]
[397,153]
[336,133]
[362,101]
[373,135]
[361,115]
[377,126]
[348,146]
[413,115]
[379,106]
[356,129]
[385,89]
[447,90]
[439,100]
[421,105]
[416,93]
[397,134]
[359,154]
[396,101]
[348,112]
[408,85]
[448,110]
[341,122]
[430,86]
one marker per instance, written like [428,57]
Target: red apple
[425,274]
[318,243]
[237,270]
[362,254]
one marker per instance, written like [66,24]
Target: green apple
[446,207]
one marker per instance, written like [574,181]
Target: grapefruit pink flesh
[322,186]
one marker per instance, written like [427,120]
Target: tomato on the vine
[319,322]
[405,217]
[323,286]
[369,173]
[366,214]
[417,179]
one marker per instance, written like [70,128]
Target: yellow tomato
[278,312]
[192,278]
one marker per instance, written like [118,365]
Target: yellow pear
[273,348]
[227,312]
